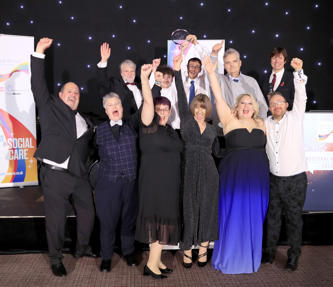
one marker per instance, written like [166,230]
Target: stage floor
[32,270]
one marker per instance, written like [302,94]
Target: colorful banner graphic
[18,143]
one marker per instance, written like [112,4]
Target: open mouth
[115,113]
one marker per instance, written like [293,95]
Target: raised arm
[222,108]
[103,81]
[38,81]
[181,95]
[148,112]
[300,80]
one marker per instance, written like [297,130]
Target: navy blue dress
[244,195]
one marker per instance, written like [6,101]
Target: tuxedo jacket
[118,86]
[286,87]
[58,126]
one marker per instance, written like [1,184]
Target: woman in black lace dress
[158,221]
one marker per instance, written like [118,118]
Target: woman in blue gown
[244,183]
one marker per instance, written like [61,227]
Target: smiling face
[245,108]
[114,109]
[166,81]
[277,62]
[70,95]
[163,112]
[278,106]
[199,113]
[232,64]
[193,69]
[127,72]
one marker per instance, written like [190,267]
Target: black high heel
[200,263]
[187,265]
[147,271]
[166,270]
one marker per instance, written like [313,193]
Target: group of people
[157,175]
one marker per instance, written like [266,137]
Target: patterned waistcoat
[118,158]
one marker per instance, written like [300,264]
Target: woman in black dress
[158,221]
[201,179]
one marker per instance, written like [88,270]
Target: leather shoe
[267,258]
[105,266]
[147,271]
[58,269]
[166,270]
[131,259]
[85,253]
[292,263]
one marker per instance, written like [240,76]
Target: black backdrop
[139,30]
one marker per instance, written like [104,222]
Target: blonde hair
[254,102]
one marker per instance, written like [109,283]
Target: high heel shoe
[187,265]
[147,271]
[166,270]
[203,263]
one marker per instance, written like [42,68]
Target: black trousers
[116,202]
[57,187]
[287,195]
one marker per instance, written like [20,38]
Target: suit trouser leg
[85,214]
[293,200]
[273,220]
[108,208]
[128,216]
[56,187]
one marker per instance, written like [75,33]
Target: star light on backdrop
[147,35]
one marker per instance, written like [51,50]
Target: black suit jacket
[58,126]
[286,87]
[119,87]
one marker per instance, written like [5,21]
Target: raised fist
[297,64]
[43,44]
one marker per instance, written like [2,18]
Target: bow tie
[235,80]
[132,84]
[119,123]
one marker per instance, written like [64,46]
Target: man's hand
[177,61]
[105,52]
[217,48]
[43,44]
[208,65]
[146,70]
[156,63]
[297,64]
[192,39]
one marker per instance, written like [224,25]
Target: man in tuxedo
[128,90]
[280,80]
[234,83]
[66,140]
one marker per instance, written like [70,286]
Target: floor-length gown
[244,195]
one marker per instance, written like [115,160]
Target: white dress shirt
[285,148]
[171,94]
[81,128]
[278,78]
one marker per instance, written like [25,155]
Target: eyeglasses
[165,110]
[280,103]
[194,67]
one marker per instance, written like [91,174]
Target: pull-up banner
[18,167]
